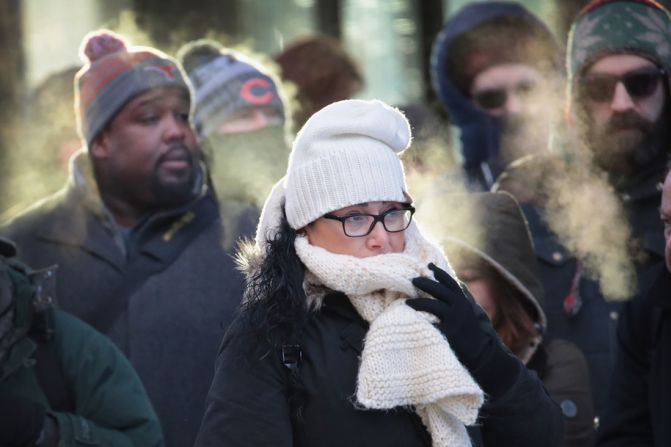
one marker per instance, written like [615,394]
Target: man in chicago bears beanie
[239,114]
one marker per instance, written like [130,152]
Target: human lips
[177,164]
[176,158]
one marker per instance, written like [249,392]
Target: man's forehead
[160,95]
[618,64]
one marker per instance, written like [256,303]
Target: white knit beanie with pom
[347,153]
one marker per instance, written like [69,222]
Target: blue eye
[395,214]
[356,218]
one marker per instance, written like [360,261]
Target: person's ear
[100,146]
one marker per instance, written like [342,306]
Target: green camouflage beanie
[603,27]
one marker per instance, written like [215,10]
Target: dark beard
[174,194]
[621,156]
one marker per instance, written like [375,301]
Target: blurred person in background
[615,141]
[142,250]
[497,70]
[240,116]
[61,382]
[322,71]
[639,401]
[498,265]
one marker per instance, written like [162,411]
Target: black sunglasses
[495,98]
[393,220]
[639,84]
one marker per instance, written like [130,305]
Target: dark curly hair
[275,305]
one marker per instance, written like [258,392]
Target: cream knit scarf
[405,361]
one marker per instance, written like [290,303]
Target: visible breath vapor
[581,207]
[585,212]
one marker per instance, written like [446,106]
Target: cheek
[483,296]
[330,237]
[598,114]
[397,242]
[653,107]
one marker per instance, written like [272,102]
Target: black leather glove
[480,351]
[21,421]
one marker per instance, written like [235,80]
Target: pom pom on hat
[346,154]
[97,44]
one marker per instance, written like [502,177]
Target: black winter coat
[592,323]
[639,409]
[248,401]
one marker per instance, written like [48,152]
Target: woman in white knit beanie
[353,330]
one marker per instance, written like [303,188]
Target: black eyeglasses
[393,220]
[640,84]
[495,98]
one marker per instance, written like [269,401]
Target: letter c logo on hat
[261,95]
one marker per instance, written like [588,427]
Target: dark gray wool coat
[164,293]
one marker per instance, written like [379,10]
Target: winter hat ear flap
[271,215]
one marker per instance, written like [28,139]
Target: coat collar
[661,290]
[353,331]
[80,219]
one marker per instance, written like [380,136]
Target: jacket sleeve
[524,415]
[566,377]
[626,420]
[112,407]
[247,402]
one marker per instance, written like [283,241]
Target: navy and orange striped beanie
[115,73]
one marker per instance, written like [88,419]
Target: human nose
[621,99]
[259,120]
[378,238]
[176,128]
[513,103]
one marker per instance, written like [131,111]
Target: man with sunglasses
[619,87]
[495,68]
[619,54]
[618,59]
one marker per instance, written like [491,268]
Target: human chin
[170,190]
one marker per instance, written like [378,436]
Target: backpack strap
[291,356]
[49,373]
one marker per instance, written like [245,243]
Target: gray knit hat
[225,82]
[114,74]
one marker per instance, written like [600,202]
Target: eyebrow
[157,97]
